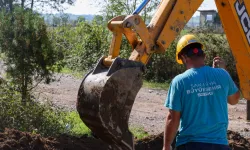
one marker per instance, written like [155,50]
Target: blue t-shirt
[201,96]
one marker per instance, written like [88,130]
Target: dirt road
[148,110]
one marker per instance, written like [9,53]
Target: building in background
[207,17]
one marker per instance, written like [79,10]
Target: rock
[150,91]
[246,130]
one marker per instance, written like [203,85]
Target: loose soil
[16,140]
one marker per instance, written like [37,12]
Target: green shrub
[29,55]
[83,45]
[44,119]
[217,45]
[163,67]
[87,42]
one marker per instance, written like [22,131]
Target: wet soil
[15,140]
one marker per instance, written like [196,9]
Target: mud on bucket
[105,100]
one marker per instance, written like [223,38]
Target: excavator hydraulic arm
[107,93]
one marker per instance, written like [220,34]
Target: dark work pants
[202,146]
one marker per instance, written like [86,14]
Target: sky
[89,7]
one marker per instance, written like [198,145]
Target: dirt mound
[150,143]
[236,142]
[16,140]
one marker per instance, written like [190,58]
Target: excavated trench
[15,140]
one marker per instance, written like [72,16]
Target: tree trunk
[22,4]
[11,5]
[25,93]
[23,90]
[32,4]
[1,4]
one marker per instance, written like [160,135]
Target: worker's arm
[234,94]
[233,91]
[174,105]
[234,99]
[171,127]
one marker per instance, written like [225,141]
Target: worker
[197,101]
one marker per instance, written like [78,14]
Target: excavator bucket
[105,100]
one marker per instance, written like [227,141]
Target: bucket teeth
[105,100]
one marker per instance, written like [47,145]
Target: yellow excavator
[107,93]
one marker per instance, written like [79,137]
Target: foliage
[28,50]
[34,117]
[82,45]
[217,45]
[40,5]
[138,132]
[161,67]
[98,19]
[156,85]
[217,19]
[113,8]
[44,119]
[75,125]
[76,74]
[164,67]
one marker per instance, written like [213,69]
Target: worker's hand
[219,63]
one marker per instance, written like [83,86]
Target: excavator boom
[107,93]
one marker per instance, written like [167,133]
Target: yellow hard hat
[185,41]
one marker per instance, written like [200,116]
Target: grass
[138,132]
[76,74]
[1,56]
[155,85]
[77,128]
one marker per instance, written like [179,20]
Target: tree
[31,4]
[28,49]
[113,8]
[80,19]
[217,20]
[82,45]
[56,21]
[98,19]
[65,19]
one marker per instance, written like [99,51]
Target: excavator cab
[107,93]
